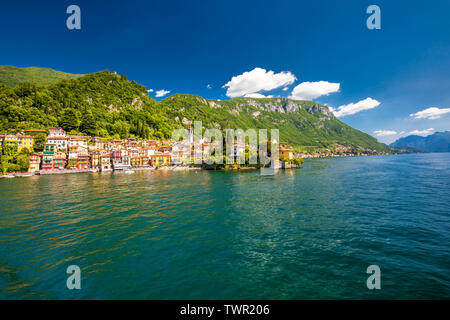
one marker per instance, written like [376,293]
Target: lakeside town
[64,153]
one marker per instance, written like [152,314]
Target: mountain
[436,142]
[102,103]
[303,124]
[12,76]
[109,105]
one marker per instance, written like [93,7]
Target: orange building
[139,161]
[160,159]
[285,153]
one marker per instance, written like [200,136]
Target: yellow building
[9,140]
[95,159]
[160,159]
[22,141]
[285,153]
[139,161]
[25,141]
[35,161]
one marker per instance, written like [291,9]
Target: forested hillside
[12,76]
[108,105]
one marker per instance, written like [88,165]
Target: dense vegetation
[103,104]
[11,160]
[305,125]
[108,105]
[12,76]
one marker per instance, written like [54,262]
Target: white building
[79,141]
[60,142]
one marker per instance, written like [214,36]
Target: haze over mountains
[436,142]
[109,105]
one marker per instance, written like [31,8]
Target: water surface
[308,233]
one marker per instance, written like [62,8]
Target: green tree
[297,161]
[69,120]
[103,132]
[88,123]
[39,141]
[10,150]
[23,162]
[4,162]
[121,128]
[25,89]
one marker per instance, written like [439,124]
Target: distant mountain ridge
[109,105]
[12,76]
[436,142]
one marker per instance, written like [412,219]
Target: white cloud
[353,108]
[208,86]
[425,132]
[255,95]
[285,88]
[430,113]
[311,90]
[161,93]
[150,90]
[383,133]
[257,80]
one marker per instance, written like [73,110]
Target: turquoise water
[301,234]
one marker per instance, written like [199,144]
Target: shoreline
[75,171]
[165,168]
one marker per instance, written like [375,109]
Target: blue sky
[199,46]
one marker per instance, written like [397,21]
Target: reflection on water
[308,233]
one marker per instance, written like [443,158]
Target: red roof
[77,138]
[19,135]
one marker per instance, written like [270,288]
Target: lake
[306,233]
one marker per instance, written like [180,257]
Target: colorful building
[50,148]
[105,163]
[47,162]
[139,161]
[116,156]
[35,161]
[60,142]
[59,160]
[73,152]
[83,161]
[25,141]
[95,159]
[9,140]
[47,157]
[98,143]
[79,141]
[56,132]
[160,159]
[19,139]
[285,153]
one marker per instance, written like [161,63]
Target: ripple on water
[308,233]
